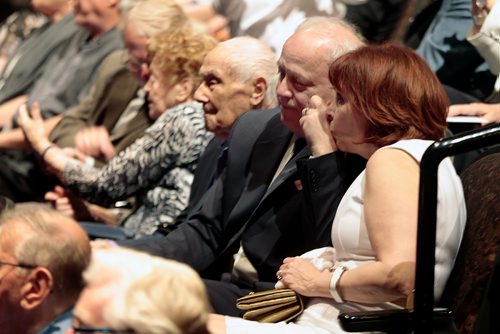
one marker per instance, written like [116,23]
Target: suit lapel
[250,168]
[287,172]
[264,160]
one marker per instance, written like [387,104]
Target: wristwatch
[336,274]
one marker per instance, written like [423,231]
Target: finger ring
[304,111]
[278,276]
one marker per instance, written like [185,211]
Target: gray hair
[151,17]
[329,27]
[154,295]
[250,58]
[46,243]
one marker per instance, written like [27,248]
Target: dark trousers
[224,292]
[223,295]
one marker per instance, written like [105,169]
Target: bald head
[305,61]
[247,58]
[334,34]
[238,75]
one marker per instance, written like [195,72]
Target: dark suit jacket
[276,222]
[204,176]
[206,171]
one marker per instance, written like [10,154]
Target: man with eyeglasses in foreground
[42,256]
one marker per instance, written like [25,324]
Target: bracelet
[336,274]
[45,150]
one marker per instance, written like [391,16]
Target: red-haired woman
[389,108]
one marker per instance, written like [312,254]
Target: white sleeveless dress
[352,248]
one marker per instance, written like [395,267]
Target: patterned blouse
[157,168]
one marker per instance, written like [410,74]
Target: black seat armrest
[393,321]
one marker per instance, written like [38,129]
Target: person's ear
[258,92]
[38,286]
[184,90]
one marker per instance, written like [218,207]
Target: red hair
[395,91]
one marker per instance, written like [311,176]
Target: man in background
[69,73]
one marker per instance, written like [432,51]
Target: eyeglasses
[133,63]
[79,326]
[20,265]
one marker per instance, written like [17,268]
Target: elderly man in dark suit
[256,213]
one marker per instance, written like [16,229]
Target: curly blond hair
[179,52]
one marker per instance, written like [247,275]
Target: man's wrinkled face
[92,14]
[136,45]
[303,68]
[223,95]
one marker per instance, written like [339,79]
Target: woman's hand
[34,131]
[33,127]
[302,276]
[315,124]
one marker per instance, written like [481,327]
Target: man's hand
[315,124]
[95,142]
[70,204]
[60,200]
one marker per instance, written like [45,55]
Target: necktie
[222,159]
[300,143]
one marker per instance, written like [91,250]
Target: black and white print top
[157,168]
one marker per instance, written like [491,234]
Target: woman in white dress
[389,108]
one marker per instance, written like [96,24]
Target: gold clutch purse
[271,305]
